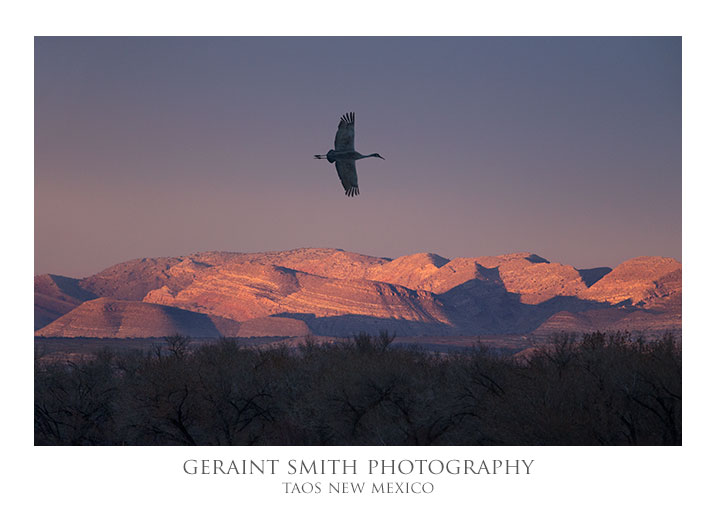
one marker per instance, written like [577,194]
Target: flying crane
[344,155]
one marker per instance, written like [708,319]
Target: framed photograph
[356,267]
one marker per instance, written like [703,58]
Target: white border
[563,475]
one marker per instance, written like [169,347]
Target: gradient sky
[569,148]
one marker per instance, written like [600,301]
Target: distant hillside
[56,295]
[110,318]
[338,293]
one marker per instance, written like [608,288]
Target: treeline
[595,390]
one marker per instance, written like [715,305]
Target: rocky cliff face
[410,271]
[333,292]
[647,281]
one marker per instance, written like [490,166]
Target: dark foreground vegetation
[595,390]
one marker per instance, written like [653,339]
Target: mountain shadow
[535,258]
[484,305]
[71,286]
[56,295]
[591,276]
[352,324]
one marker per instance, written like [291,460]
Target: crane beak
[382,157]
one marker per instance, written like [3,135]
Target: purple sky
[566,147]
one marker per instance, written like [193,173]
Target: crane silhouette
[345,156]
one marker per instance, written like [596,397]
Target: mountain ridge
[345,293]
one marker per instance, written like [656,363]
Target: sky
[569,148]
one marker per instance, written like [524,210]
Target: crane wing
[347,171]
[344,140]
